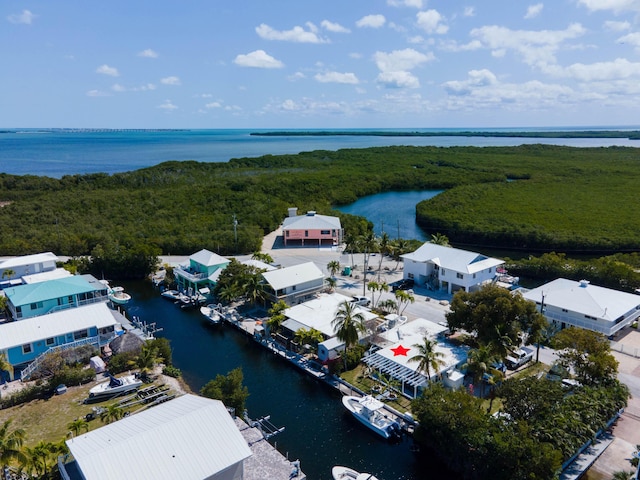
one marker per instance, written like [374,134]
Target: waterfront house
[13,269]
[294,284]
[319,314]
[439,267]
[395,358]
[311,229]
[189,437]
[581,304]
[24,341]
[32,300]
[201,272]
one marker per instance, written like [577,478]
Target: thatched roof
[128,342]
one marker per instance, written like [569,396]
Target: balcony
[189,274]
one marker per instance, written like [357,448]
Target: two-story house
[201,272]
[311,229]
[294,284]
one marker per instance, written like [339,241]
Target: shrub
[172,371]
[121,362]
[72,376]
[26,395]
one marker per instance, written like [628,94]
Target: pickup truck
[519,357]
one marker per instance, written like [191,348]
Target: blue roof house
[25,341]
[202,271]
[26,301]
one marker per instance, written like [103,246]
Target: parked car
[405,284]
[519,357]
[361,300]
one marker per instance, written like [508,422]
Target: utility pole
[235,232]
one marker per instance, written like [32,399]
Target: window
[70,299]
[50,341]
[34,306]
[325,232]
[565,310]
[306,233]
[474,275]
[27,348]
[293,289]
[459,275]
[443,272]
[286,232]
[80,334]
[410,275]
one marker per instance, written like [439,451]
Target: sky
[319,63]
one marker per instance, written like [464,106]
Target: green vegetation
[568,198]
[633,135]
[229,389]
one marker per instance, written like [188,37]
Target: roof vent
[293,211]
[584,283]
[311,213]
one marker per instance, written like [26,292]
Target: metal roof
[311,222]
[295,275]
[450,258]
[584,298]
[28,260]
[188,438]
[52,325]
[207,258]
[46,276]
[57,288]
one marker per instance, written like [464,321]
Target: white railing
[80,303]
[191,276]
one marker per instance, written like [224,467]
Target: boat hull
[345,473]
[129,383]
[371,419]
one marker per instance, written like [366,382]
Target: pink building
[311,229]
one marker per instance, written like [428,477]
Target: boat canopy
[114,382]
[371,403]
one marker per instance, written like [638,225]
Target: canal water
[318,431]
[392,212]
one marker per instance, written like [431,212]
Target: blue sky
[319,63]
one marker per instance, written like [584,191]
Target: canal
[318,431]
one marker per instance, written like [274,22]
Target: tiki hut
[126,343]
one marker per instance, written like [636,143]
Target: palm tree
[400,247]
[348,323]
[440,239]
[333,267]
[262,257]
[428,357]
[404,298]
[8,273]
[479,362]
[11,443]
[331,283]
[41,459]
[147,359]
[373,287]
[77,426]
[384,247]
[112,413]
[388,305]
[254,289]
[276,316]
[311,337]
[350,244]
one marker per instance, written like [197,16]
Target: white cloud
[618,69]
[371,21]
[355,55]
[334,27]
[25,18]
[534,10]
[614,26]
[537,48]
[337,77]
[296,76]
[148,53]
[171,81]
[116,87]
[397,60]
[257,59]
[406,3]
[107,70]
[167,105]
[296,34]
[616,5]
[213,105]
[432,22]
[452,46]
[469,11]
[476,78]
[398,79]
[97,93]
[631,39]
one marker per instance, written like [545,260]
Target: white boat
[368,411]
[212,313]
[118,295]
[172,295]
[115,386]
[346,473]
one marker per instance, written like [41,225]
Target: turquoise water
[56,153]
[392,212]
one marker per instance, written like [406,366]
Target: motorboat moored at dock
[367,411]
[172,295]
[212,313]
[345,473]
[119,296]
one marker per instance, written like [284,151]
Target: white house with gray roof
[294,284]
[311,229]
[580,304]
[440,267]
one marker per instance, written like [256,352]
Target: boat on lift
[368,411]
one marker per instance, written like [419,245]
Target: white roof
[584,298]
[319,313]
[258,264]
[395,359]
[28,260]
[55,324]
[311,222]
[451,258]
[45,276]
[189,438]
[205,257]
[295,275]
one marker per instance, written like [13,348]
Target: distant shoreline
[631,135]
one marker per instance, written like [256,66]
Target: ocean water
[56,153]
